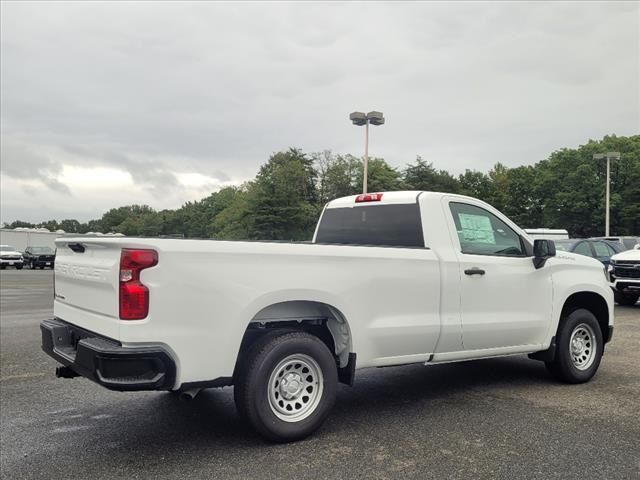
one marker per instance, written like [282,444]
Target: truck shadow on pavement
[211,419]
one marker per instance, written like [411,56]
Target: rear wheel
[286,385]
[627,299]
[579,347]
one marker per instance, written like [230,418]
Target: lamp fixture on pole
[359,119]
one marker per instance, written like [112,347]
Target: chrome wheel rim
[295,388]
[582,346]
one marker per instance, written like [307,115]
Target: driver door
[505,301]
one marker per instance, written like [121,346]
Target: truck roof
[382,198]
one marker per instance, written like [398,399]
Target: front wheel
[286,385]
[627,299]
[579,347]
[18,267]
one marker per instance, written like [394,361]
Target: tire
[41,267]
[627,299]
[2,267]
[579,347]
[18,267]
[284,414]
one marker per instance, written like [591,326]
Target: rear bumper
[105,361]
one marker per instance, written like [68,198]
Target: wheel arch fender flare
[301,306]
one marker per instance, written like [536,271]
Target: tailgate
[86,284]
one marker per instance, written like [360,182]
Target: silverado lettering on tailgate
[83,272]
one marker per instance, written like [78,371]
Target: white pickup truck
[390,278]
[624,272]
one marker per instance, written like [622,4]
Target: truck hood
[628,255]
[568,258]
[10,252]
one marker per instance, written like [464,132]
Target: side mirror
[543,250]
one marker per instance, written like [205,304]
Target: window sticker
[476,228]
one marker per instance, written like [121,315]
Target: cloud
[162,90]
[18,161]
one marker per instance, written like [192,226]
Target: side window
[482,233]
[603,250]
[583,249]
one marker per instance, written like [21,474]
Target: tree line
[283,202]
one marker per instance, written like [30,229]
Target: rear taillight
[134,296]
[369,197]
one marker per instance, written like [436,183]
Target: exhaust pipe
[189,395]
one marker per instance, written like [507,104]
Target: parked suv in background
[10,257]
[599,249]
[41,257]
[624,273]
[627,243]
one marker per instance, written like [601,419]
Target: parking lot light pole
[609,156]
[359,119]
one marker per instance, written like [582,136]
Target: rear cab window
[379,224]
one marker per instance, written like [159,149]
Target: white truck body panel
[397,305]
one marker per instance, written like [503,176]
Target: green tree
[521,203]
[381,178]
[281,202]
[114,218]
[70,225]
[423,176]
[571,185]
[337,176]
[20,224]
[51,225]
[232,222]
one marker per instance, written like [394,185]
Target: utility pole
[609,156]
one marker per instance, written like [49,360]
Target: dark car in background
[626,243]
[599,249]
[39,257]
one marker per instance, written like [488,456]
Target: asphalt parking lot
[497,418]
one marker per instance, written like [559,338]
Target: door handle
[474,271]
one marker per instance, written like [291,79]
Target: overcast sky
[108,104]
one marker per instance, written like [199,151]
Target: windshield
[42,250]
[7,248]
[564,245]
